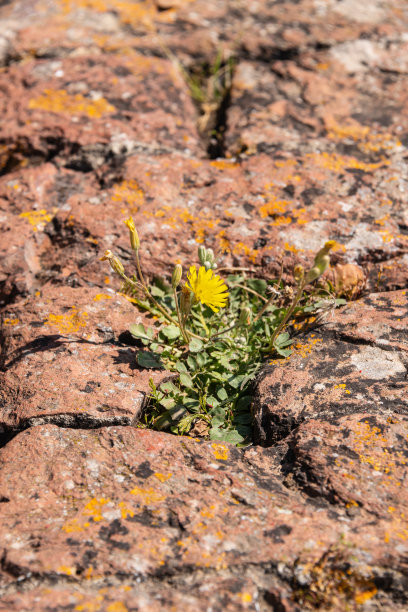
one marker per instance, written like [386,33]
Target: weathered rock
[64,361]
[99,121]
[356,363]
[114,506]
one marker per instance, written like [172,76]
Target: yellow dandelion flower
[208,288]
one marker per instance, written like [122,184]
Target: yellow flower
[208,288]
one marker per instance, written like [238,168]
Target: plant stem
[288,315]
[249,291]
[204,324]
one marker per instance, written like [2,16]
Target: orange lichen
[338,163]
[102,296]
[367,140]
[94,507]
[162,477]
[220,451]
[8,321]
[59,101]
[130,195]
[148,496]
[68,323]
[242,248]
[38,218]
[175,217]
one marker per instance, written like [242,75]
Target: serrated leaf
[149,360]
[195,345]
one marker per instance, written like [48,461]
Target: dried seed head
[114,262]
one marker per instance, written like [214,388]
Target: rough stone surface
[98,122]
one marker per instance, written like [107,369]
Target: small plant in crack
[210,85]
[214,334]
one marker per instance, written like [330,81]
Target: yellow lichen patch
[8,321]
[300,349]
[208,512]
[338,163]
[364,596]
[343,387]
[130,195]
[242,248]
[125,511]
[68,323]
[37,218]
[223,164]
[386,235]
[72,526]
[292,249]
[367,140]
[221,451]
[65,569]
[174,218]
[148,496]
[93,508]
[382,220]
[274,206]
[60,101]
[162,477]
[245,597]
[102,296]
[117,606]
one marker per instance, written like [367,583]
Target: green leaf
[282,340]
[167,402]
[283,352]
[222,394]
[139,331]
[226,435]
[212,401]
[192,363]
[169,387]
[236,380]
[170,331]
[257,284]
[202,359]
[186,380]
[147,359]
[195,345]
[180,367]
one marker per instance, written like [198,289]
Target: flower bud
[114,262]
[185,300]
[133,235]
[176,277]
[210,256]
[321,262]
[298,273]
[202,254]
